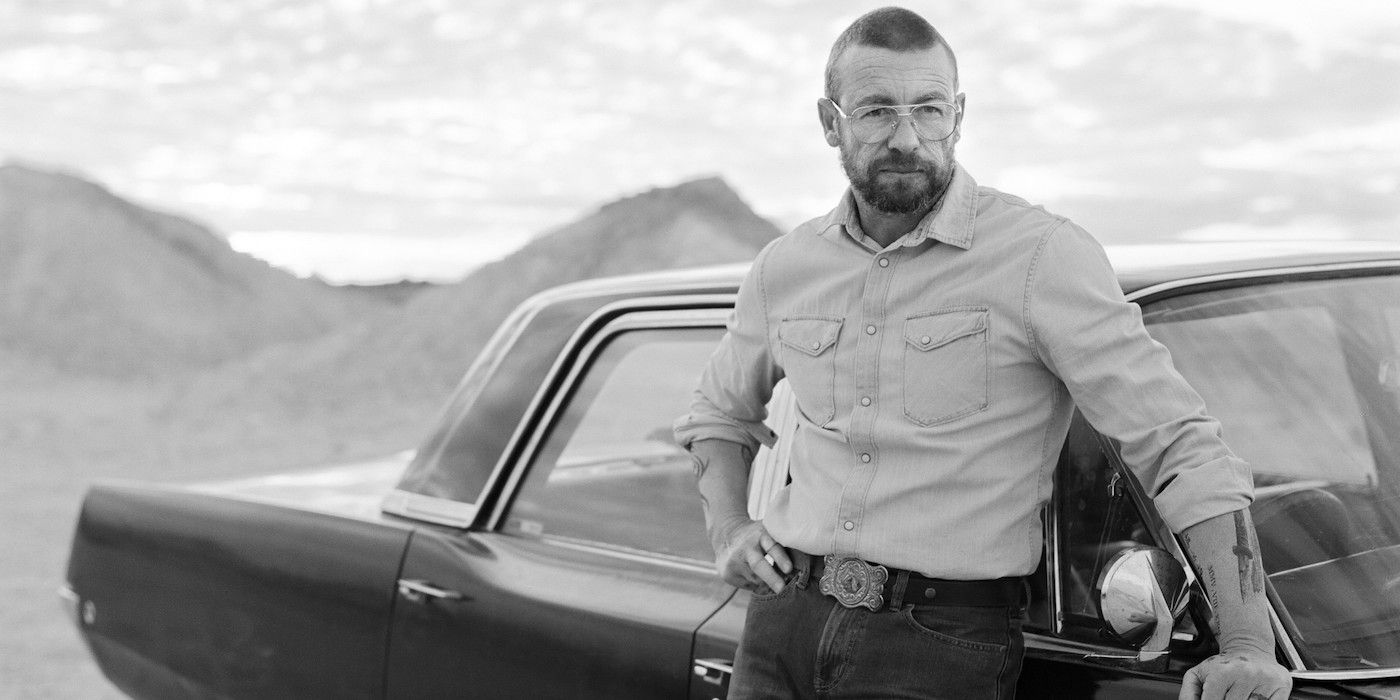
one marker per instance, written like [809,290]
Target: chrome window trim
[1174,288]
[1284,639]
[547,404]
[1186,284]
[1053,560]
[429,509]
[1366,675]
[71,602]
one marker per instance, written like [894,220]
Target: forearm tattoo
[1248,568]
[1246,553]
[1212,585]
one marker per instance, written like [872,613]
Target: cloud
[1313,229]
[49,66]
[1350,25]
[1050,183]
[1330,147]
[420,115]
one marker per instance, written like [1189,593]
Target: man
[936,335]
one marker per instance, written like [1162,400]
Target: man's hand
[745,554]
[1237,676]
[748,557]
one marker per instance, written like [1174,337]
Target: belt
[857,583]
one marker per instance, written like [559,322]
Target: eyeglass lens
[931,122]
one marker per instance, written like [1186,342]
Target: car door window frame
[485,506]
[550,408]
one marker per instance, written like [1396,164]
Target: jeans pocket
[945,365]
[809,361]
[976,629]
[770,596]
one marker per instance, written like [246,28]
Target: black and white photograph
[699,349]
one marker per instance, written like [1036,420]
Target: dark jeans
[802,644]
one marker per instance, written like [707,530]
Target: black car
[546,540]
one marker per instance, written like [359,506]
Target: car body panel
[205,596]
[546,619]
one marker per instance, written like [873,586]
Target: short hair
[893,28]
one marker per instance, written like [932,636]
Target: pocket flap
[929,332]
[809,335]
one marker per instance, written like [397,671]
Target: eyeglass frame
[908,112]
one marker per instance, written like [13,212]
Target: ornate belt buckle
[853,582]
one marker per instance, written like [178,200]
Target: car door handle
[713,671]
[418,591]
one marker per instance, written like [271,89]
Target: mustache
[901,161]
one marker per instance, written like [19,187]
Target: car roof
[1139,266]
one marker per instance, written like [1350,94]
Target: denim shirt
[935,381]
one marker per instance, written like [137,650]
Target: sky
[370,140]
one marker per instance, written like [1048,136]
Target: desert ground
[58,438]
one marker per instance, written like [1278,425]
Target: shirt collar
[951,222]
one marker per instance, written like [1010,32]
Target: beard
[903,195]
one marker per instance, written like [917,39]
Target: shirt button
[870,330]
[818,346]
[865,457]
[925,340]
[849,525]
[884,262]
[865,400]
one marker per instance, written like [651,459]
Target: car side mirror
[1141,593]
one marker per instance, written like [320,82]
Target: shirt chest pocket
[809,360]
[945,365]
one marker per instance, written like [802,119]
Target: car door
[592,572]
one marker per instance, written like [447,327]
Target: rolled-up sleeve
[731,399]
[1124,382]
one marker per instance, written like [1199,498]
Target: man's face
[903,173]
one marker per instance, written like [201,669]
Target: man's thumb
[1191,685]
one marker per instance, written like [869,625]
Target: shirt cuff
[687,429]
[1220,486]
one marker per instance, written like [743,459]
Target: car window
[1304,376]
[608,471]
[458,458]
[1098,518]
[1267,369]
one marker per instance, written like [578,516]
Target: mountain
[93,284]
[702,222]
[376,387]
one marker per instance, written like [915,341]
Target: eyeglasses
[932,121]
